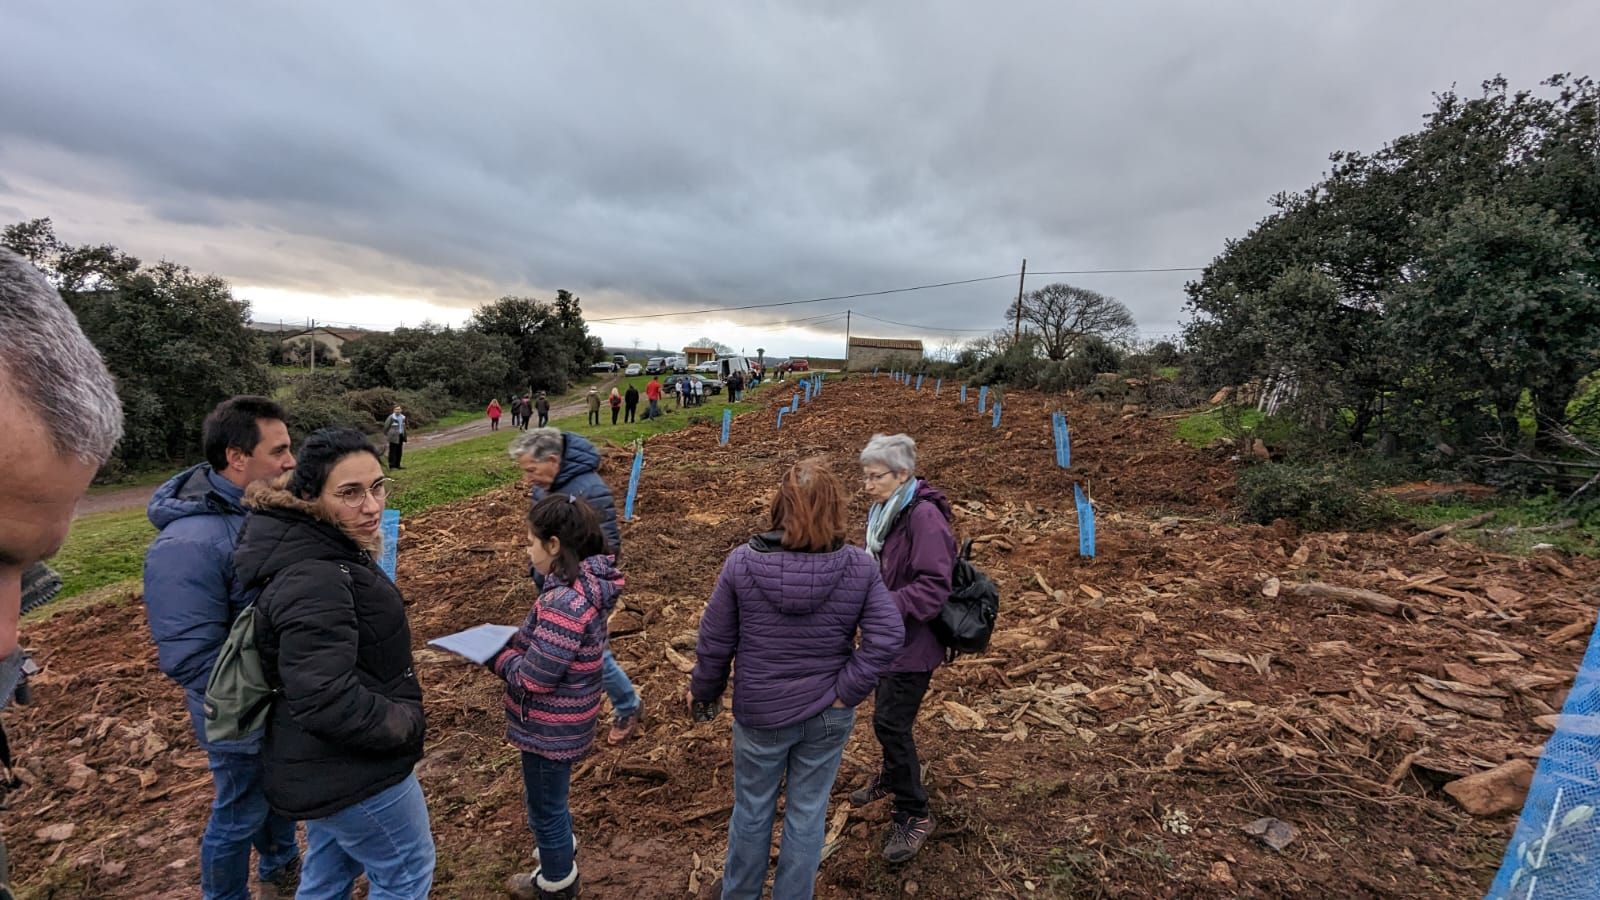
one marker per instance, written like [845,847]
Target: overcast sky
[383,163]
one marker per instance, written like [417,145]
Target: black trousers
[895,707]
[632,414]
[395,449]
[544,419]
[594,417]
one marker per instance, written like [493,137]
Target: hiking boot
[533,886]
[906,839]
[280,885]
[873,792]
[622,728]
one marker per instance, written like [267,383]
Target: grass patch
[1203,429]
[103,549]
[1521,512]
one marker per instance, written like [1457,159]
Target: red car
[797,365]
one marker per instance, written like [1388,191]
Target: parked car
[620,360]
[799,365]
[633,369]
[606,366]
[710,385]
[655,365]
[707,368]
[679,364]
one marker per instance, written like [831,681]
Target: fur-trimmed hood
[282,529]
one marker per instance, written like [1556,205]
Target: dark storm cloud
[662,156]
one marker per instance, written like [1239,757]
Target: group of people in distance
[813,624]
[522,411]
[807,625]
[687,392]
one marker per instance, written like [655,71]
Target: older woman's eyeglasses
[354,495]
[871,477]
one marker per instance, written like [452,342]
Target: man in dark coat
[559,462]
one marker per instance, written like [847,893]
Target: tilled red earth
[1135,711]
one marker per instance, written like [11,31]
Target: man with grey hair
[63,419]
[560,462]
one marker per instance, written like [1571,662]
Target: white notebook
[479,643]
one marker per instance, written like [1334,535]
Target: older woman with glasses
[908,532]
[346,727]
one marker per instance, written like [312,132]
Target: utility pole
[847,340]
[312,325]
[1021,280]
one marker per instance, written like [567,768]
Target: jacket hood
[578,456]
[927,493]
[283,529]
[189,493]
[598,581]
[794,582]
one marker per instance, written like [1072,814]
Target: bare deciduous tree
[1063,316]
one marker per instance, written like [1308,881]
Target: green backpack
[238,696]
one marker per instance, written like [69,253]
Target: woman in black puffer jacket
[346,728]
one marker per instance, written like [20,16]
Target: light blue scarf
[882,515]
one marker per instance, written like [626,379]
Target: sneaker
[906,839]
[873,792]
[622,728]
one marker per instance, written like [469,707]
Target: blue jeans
[545,783]
[624,699]
[386,836]
[808,754]
[240,820]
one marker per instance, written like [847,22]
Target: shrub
[307,416]
[1317,498]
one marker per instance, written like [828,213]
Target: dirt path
[1134,712]
[138,497]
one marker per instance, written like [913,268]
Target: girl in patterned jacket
[552,672]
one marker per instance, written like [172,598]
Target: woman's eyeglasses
[870,477]
[354,495]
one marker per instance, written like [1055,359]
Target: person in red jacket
[494,415]
[652,392]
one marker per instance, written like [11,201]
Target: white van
[728,365]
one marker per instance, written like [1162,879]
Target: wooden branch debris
[1433,534]
[1371,600]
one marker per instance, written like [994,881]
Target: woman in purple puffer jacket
[788,604]
[908,531]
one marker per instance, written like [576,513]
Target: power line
[1121,271]
[925,327]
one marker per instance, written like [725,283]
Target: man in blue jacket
[560,462]
[191,601]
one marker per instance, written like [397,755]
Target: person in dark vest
[630,404]
[394,428]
